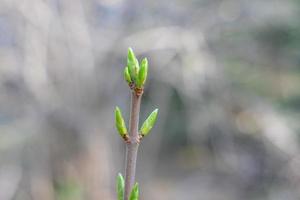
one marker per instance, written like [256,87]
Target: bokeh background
[225,75]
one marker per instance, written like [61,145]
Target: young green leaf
[149,123]
[132,64]
[134,195]
[120,186]
[127,75]
[142,75]
[120,123]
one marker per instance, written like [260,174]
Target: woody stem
[133,144]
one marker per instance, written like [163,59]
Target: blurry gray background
[225,75]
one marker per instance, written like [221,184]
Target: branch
[133,144]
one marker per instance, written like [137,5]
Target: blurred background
[225,75]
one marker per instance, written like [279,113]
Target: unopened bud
[142,75]
[132,64]
[134,195]
[127,76]
[149,123]
[120,123]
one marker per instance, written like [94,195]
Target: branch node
[138,91]
[140,137]
[131,85]
[126,138]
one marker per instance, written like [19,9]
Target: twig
[133,144]
[136,77]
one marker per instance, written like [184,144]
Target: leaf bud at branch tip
[127,76]
[132,64]
[142,75]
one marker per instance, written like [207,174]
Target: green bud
[132,64]
[149,123]
[142,75]
[120,186]
[120,123]
[134,195]
[127,75]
